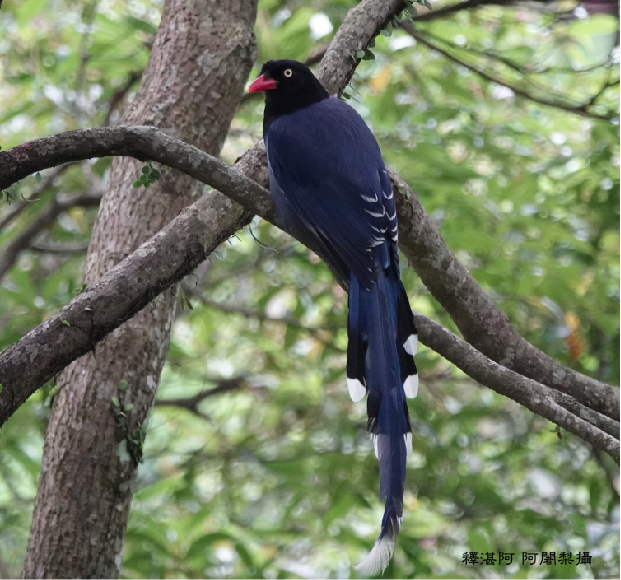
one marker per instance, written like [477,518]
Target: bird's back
[329,181]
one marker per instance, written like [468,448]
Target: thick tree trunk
[201,58]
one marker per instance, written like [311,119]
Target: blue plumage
[332,190]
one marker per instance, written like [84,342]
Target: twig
[118,95]
[316,332]
[37,191]
[191,403]
[49,247]
[42,221]
[610,477]
[578,109]
[88,16]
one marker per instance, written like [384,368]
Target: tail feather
[356,345]
[407,344]
[380,326]
[379,557]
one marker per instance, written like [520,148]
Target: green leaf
[28,9]
[142,25]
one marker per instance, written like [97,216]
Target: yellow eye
[288,73]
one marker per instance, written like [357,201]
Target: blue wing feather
[345,208]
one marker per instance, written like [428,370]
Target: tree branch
[561,409]
[451,9]
[20,206]
[50,247]
[577,109]
[117,97]
[179,247]
[316,332]
[191,403]
[479,320]
[42,221]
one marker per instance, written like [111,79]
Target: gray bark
[201,58]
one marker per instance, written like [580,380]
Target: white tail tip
[411,344]
[356,389]
[408,443]
[377,561]
[375,439]
[410,386]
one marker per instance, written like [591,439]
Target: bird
[332,191]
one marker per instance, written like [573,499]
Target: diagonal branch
[450,9]
[597,429]
[317,332]
[19,207]
[476,315]
[61,248]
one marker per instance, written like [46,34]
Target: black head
[289,86]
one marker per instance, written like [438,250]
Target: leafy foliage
[275,477]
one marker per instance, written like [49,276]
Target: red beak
[262,84]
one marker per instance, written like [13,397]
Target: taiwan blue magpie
[331,189]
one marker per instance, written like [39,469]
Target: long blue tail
[382,340]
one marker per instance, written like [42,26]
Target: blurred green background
[273,474]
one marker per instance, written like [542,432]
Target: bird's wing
[329,183]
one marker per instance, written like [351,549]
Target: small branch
[42,221]
[315,332]
[47,181]
[49,247]
[610,476]
[451,9]
[552,405]
[4,569]
[578,109]
[191,403]
[117,97]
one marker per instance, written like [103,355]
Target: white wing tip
[411,344]
[356,389]
[410,386]
[377,561]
